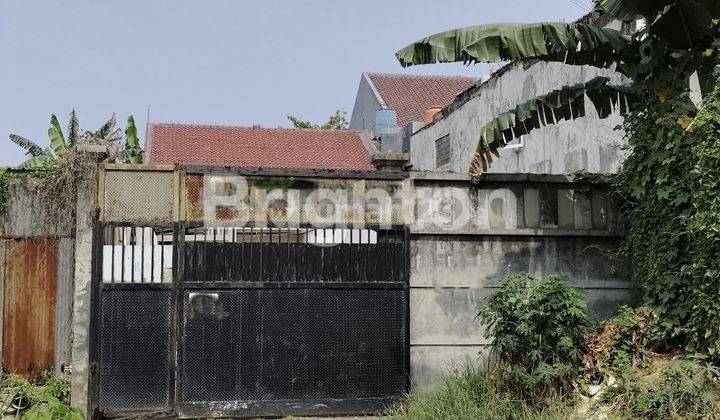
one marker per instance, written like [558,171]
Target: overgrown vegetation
[471,392]
[56,171]
[669,186]
[544,364]
[45,398]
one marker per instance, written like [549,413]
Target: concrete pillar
[84,224]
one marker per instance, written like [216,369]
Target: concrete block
[582,210]
[565,209]
[548,207]
[531,206]
[446,316]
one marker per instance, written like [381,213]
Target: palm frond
[30,146]
[574,43]
[566,103]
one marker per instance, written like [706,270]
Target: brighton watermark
[357,204]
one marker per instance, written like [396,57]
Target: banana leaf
[106,129]
[32,148]
[133,152]
[574,43]
[567,103]
[57,140]
[37,162]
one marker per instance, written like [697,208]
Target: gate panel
[285,321]
[250,322]
[134,353]
[293,344]
[135,343]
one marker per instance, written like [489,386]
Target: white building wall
[588,143]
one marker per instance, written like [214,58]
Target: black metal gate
[246,321]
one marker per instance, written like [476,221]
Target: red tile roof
[411,95]
[275,148]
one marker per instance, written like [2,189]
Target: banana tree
[133,153]
[42,158]
[60,145]
[680,39]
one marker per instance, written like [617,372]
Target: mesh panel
[275,344]
[134,365]
[138,195]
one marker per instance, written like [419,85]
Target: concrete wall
[587,143]
[367,104]
[464,237]
[515,226]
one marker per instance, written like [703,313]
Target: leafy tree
[679,41]
[337,121]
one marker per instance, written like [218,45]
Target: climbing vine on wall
[669,193]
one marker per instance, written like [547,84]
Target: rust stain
[194,185]
[29,299]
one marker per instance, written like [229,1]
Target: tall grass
[468,393]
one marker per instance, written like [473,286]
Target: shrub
[44,401]
[538,329]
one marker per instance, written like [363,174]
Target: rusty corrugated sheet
[29,304]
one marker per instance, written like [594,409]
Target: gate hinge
[93,368]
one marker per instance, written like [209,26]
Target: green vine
[669,195]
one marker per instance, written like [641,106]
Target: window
[442,151]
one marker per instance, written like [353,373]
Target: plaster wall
[587,143]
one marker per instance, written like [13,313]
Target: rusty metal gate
[227,321]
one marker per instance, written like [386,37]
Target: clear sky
[234,62]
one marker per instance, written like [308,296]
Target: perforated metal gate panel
[135,360]
[138,196]
[293,344]
[266,322]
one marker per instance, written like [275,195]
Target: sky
[235,62]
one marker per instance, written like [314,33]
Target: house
[258,147]
[410,96]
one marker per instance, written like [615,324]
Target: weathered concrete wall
[537,227]
[365,108]
[586,143]
[27,215]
